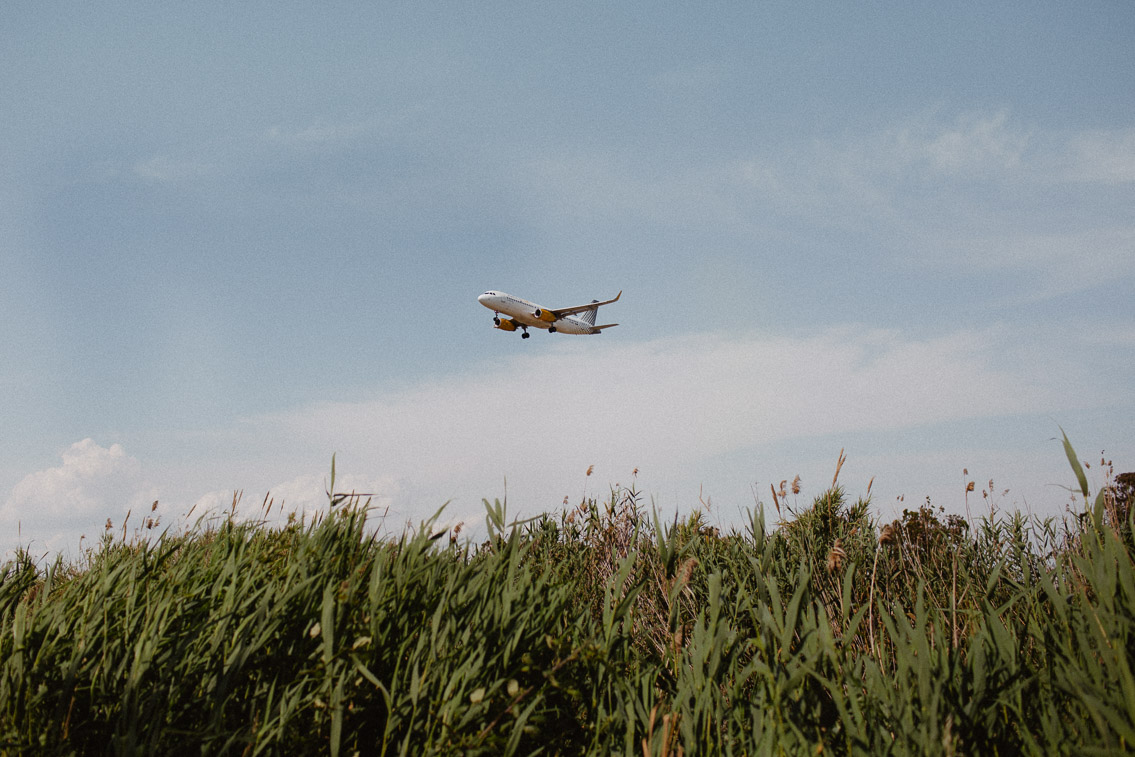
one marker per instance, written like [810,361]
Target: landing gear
[525,335]
[496,320]
[551,329]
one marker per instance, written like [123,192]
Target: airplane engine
[544,315]
[506,324]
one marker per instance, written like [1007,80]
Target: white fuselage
[524,313]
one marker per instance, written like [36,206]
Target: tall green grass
[594,631]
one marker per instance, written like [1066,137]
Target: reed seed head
[838,465]
[836,556]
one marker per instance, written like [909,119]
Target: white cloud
[979,145]
[88,476]
[916,172]
[866,169]
[52,509]
[983,193]
[57,505]
[663,406]
[316,134]
[1107,157]
[976,146]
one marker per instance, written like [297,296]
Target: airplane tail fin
[588,316]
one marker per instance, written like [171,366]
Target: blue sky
[238,238]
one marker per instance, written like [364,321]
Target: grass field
[597,630]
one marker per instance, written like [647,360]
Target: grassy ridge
[596,631]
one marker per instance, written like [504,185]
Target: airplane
[522,314]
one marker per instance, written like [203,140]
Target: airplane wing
[561,312]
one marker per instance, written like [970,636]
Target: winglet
[608,302]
